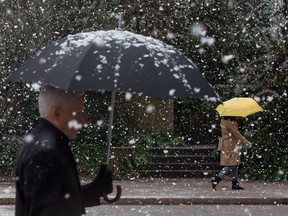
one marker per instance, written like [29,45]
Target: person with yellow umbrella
[231,141]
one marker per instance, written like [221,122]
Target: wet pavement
[185,192]
[179,210]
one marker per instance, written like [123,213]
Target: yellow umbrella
[239,106]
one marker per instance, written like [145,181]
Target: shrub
[8,153]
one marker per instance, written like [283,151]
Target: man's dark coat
[47,178]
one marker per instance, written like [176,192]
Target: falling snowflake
[28,138]
[170,35]
[150,108]
[67,196]
[269,98]
[209,41]
[226,58]
[132,142]
[78,77]
[198,30]
[74,124]
[172,92]
[281,172]
[36,86]
[99,123]
[257,99]
[42,61]
[128,96]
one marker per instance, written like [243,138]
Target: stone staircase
[181,162]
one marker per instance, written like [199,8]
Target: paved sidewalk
[185,192]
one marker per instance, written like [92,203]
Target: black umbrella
[116,61]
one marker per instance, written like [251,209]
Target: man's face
[72,117]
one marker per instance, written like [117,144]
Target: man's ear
[56,113]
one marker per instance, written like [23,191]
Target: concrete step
[181,166]
[176,173]
[183,159]
[186,150]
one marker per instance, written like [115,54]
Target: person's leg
[235,170]
[219,177]
[223,172]
[235,183]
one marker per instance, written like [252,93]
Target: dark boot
[215,180]
[235,186]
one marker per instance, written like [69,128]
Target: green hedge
[8,155]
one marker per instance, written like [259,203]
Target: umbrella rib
[80,59]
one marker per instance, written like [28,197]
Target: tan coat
[231,143]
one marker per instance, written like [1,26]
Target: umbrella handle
[116,198]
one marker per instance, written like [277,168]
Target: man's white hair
[51,96]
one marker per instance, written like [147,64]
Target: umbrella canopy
[116,61]
[239,106]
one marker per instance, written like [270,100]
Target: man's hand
[104,180]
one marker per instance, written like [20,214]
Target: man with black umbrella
[47,178]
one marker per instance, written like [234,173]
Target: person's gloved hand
[104,180]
